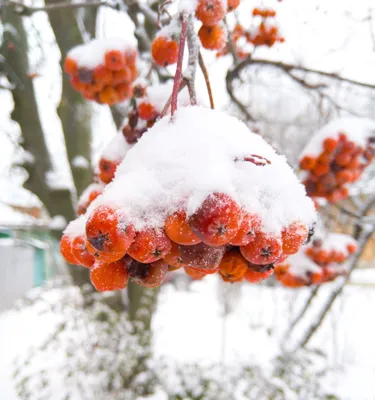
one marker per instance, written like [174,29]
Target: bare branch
[203,68]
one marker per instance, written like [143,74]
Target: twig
[203,68]
[178,76]
[169,102]
[193,48]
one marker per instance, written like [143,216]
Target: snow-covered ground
[189,326]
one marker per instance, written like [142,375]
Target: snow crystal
[116,149]
[194,156]
[91,54]
[80,162]
[301,265]
[57,223]
[76,227]
[358,130]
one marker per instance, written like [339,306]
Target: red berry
[212,37]
[264,249]
[164,51]
[293,237]
[210,12]
[202,256]
[66,250]
[109,277]
[146,111]
[150,245]
[149,275]
[254,276]
[250,225]
[217,220]
[115,60]
[80,253]
[178,229]
[233,267]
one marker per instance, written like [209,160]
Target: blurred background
[192,339]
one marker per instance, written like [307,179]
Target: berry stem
[178,76]
[203,68]
[190,73]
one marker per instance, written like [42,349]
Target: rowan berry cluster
[103,70]
[321,261]
[266,33]
[340,163]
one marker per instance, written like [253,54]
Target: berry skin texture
[264,249]
[202,256]
[212,37]
[107,170]
[103,75]
[178,229]
[80,253]
[251,224]
[233,4]
[194,274]
[210,12]
[109,277]
[233,267]
[217,220]
[66,250]
[115,60]
[107,233]
[150,245]
[164,51]
[70,66]
[257,276]
[146,111]
[108,96]
[293,237]
[173,258]
[153,276]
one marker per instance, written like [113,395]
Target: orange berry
[109,277]
[107,170]
[70,66]
[293,237]
[330,145]
[173,258]
[195,274]
[217,220]
[251,224]
[232,267]
[352,248]
[108,96]
[233,4]
[80,253]
[343,159]
[322,257]
[325,158]
[254,276]
[102,75]
[264,249]
[131,56]
[146,111]
[107,232]
[66,250]
[121,76]
[77,84]
[123,90]
[344,176]
[307,163]
[212,37]
[178,229]
[150,245]
[320,169]
[114,60]
[164,51]
[210,12]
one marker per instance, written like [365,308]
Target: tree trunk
[74,111]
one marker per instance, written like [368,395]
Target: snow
[338,242]
[358,130]
[91,54]
[188,6]
[76,227]
[58,223]
[300,265]
[194,156]
[172,30]
[11,217]
[55,181]
[80,162]
[116,149]
[85,196]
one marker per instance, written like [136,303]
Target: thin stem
[191,71]
[178,76]
[169,102]
[203,68]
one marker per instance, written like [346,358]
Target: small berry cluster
[340,163]
[320,262]
[212,33]
[108,78]
[265,34]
